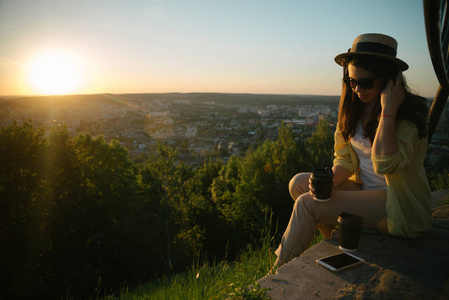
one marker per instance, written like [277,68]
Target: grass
[212,281]
[225,280]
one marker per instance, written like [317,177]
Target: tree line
[79,217]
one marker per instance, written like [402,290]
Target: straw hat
[374,44]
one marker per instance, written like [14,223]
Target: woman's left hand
[392,96]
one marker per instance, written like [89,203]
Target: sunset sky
[230,46]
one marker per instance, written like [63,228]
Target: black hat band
[375,48]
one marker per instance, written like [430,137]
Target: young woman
[380,147]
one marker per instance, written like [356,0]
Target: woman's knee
[306,206]
[304,201]
[299,185]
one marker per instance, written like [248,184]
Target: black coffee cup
[349,232]
[322,182]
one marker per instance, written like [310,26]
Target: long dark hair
[413,108]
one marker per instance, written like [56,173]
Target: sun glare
[54,73]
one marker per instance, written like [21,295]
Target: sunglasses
[365,84]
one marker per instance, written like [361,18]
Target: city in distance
[200,123]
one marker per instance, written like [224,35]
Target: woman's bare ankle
[279,262]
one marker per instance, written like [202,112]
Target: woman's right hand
[311,188]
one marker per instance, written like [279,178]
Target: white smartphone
[340,261]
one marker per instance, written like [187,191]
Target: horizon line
[162,93]
[143,93]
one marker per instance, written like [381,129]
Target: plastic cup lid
[349,219]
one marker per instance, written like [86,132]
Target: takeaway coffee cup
[322,182]
[350,229]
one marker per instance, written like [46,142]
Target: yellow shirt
[408,193]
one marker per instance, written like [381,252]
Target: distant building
[185,102]
[213,116]
[309,110]
[300,122]
[243,110]
[168,122]
[158,114]
[264,113]
[190,132]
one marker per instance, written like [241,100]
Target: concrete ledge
[394,268]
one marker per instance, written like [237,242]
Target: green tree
[242,192]
[173,195]
[21,209]
[93,191]
[290,155]
[224,185]
[248,188]
[321,146]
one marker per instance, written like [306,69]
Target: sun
[54,72]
